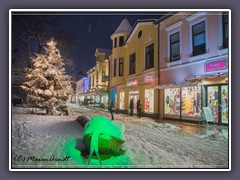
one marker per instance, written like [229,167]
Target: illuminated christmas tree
[48,85]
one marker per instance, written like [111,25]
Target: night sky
[94,30]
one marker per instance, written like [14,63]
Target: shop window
[225,29]
[191,103]
[121,67]
[121,41]
[149,56]
[199,38]
[172,103]
[174,47]
[149,101]
[132,63]
[115,67]
[121,100]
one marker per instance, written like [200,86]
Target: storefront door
[135,96]
[217,100]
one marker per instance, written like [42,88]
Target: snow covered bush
[47,83]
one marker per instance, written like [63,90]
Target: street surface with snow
[52,142]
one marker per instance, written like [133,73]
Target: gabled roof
[125,27]
[139,21]
[102,50]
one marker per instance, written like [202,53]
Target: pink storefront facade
[193,66]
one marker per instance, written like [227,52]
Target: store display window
[149,101]
[172,103]
[191,103]
[121,100]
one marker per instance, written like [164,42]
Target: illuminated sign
[215,65]
[149,79]
[85,84]
[132,83]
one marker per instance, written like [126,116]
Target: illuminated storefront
[149,101]
[172,103]
[135,96]
[121,100]
[191,103]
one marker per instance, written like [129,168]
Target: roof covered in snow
[124,27]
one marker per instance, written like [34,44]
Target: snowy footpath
[52,142]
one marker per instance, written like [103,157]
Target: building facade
[134,66]
[194,66]
[177,66]
[94,89]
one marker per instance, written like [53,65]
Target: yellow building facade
[134,67]
[97,91]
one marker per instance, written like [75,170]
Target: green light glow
[109,144]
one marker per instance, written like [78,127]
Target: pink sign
[217,65]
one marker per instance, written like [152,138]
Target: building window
[115,67]
[103,75]
[93,81]
[97,77]
[89,82]
[115,42]
[199,39]
[121,41]
[149,56]
[132,58]
[174,47]
[225,30]
[121,67]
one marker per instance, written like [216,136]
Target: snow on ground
[148,144]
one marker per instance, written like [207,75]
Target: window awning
[207,76]
[177,85]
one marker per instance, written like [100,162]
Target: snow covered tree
[48,85]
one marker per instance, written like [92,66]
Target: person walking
[112,110]
[139,108]
[131,107]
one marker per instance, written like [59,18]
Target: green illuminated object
[103,138]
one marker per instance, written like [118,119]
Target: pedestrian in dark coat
[139,108]
[131,107]
[112,110]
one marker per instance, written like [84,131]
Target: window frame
[114,67]
[130,62]
[194,51]
[115,42]
[172,29]
[224,44]
[193,20]
[151,53]
[121,41]
[170,47]
[120,73]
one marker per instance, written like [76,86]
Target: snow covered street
[52,142]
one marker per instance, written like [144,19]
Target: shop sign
[132,83]
[149,78]
[215,65]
